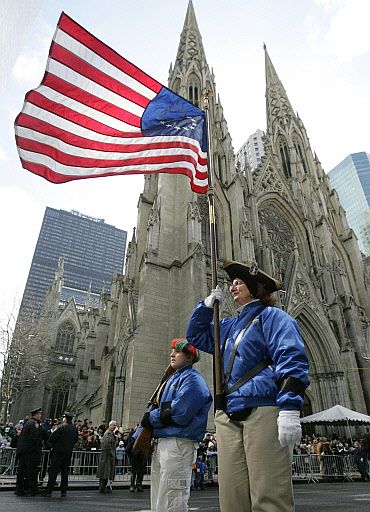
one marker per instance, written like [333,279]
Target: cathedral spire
[190,53]
[278,107]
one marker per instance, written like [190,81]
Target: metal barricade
[313,468]
[7,462]
[84,466]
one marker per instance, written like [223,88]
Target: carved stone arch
[328,382]
[324,346]
[65,338]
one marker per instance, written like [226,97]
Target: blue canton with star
[170,114]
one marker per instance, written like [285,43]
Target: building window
[285,160]
[193,90]
[59,396]
[65,338]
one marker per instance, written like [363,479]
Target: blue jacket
[273,333]
[190,400]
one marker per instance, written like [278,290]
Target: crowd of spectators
[205,467]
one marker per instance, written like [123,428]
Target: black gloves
[145,422]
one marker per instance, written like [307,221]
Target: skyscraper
[92,250]
[252,150]
[351,179]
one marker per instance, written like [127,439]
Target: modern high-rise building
[252,150]
[92,250]
[351,179]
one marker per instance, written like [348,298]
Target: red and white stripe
[83,121]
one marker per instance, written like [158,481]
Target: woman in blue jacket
[265,375]
[178,424]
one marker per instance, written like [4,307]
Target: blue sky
[320,49]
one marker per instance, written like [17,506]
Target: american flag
[96,114]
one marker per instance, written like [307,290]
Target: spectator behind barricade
[316,446]
[107,461]
[92,443]
[211,461]
[200,472]
[78,424]
[80,444]
[14,441]
[102,427]
[120,456]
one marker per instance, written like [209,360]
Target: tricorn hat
[182,345]
[36,410]
[251,275]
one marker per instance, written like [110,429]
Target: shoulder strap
[236,344]
[249,375]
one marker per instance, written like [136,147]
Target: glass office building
[351,179]
[93,252]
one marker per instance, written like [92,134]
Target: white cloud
[340,28]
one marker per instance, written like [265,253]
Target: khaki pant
[254,471]
[171,474]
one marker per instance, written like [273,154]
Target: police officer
[29,451]
[62,440]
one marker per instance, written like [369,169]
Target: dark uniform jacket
[64,438]
[30,440]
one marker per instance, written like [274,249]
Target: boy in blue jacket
[178,424]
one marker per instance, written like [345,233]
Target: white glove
[289,428]
[216,294]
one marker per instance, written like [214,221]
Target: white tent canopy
[337,415]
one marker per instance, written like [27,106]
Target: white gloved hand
[216,294]
[289,428]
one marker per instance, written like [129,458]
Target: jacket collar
[251,306]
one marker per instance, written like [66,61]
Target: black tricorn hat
[251,275]
[68,414]
[36,410]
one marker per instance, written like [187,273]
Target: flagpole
[217,368]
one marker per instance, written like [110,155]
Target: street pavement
[322,497]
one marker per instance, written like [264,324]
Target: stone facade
[284,215]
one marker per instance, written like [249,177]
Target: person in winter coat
[62,441]
[138,461]
[120,455]
[29,451]
[265,372]
[107,462]
[178,424]
[361,461]
[199,473]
